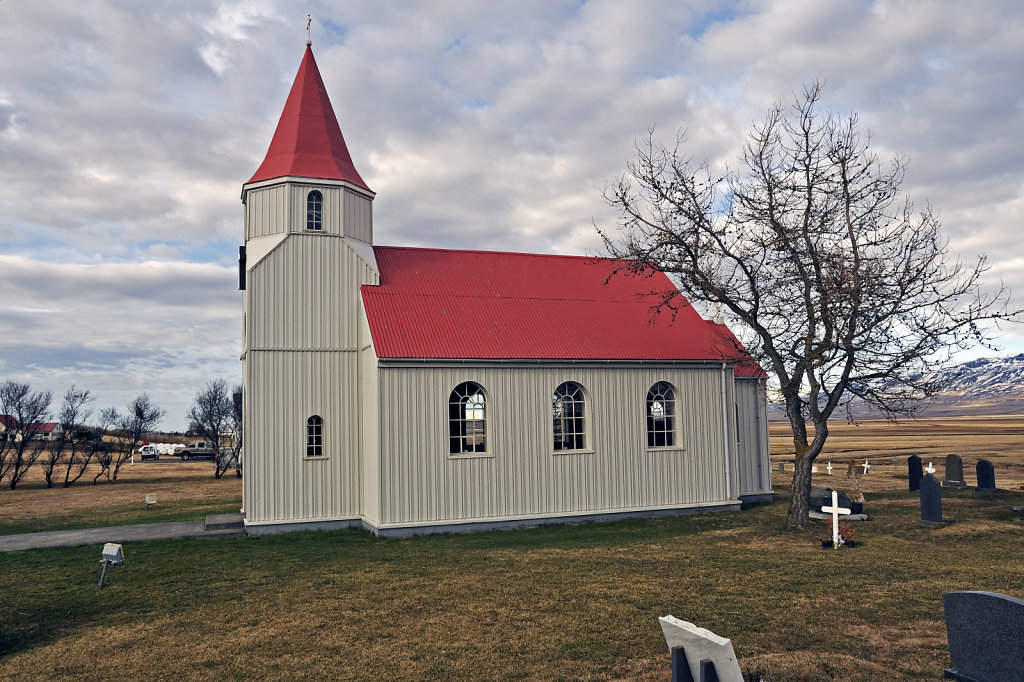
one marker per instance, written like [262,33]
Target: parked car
[197,450]
[149,452]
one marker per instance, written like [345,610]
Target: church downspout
[725,433]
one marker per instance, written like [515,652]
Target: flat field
[563,602]
[999,439]
[185,491]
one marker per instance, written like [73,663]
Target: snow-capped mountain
[977,387]
[982,386]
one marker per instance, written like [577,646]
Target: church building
[420,390]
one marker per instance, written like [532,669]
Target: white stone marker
[866,467]
[829,467]
[701,644]
[930,469]
[835,510]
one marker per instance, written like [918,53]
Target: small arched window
[568,411]
[467,419]
[661,416]
[314,210]
[315,436]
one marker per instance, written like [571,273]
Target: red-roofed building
[411,390]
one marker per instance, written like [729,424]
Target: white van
[149,452]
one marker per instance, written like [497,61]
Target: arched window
[467,419]
[661,416]
[568,411]
[315,436]
[314,210]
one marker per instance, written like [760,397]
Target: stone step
[224,522]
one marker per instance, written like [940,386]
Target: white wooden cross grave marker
[866,467]
[930,469]
[829,467]
[835,510]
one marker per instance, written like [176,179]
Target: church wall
[308,294]
[358,217]
[522,476]
[755,469]
[266,211]
[283,390]
[369,393]
[302,359]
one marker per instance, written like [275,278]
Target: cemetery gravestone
[986,476]
[954,472]
[931,502]
[914,471]
[984,633]
[699,654]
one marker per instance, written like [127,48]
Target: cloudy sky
[127,129]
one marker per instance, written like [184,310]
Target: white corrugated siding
[283,390]
[305,294]
[302,358]
[523,476]
[358,217]
[755,473]
[266,211]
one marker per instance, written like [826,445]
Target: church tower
[308,249]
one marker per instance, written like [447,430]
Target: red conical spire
[308,141]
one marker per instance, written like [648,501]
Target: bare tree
[841,290]
[104,457]
[211,416]
[129,430]
[236,428]
[76,452]
[27,411]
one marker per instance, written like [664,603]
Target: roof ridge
[500,253]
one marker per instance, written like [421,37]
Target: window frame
[583,419]
[670,407]
[315,216]
[314,447]
[458,399]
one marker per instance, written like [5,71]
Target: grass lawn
[567,602]
[564,602]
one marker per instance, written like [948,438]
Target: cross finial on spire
[309,40]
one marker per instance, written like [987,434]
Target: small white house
[412,390]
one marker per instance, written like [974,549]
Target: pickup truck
[198,450]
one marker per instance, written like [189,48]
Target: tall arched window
[568,412]
[661,416]
[315,436]
[314,210]
[467,419]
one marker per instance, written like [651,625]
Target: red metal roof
[308,141]
[436,303]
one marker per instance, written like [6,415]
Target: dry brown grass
[178,486]
[999,439]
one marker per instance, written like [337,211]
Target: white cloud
[127,130]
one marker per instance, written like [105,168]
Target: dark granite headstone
[986,476]
[915,471]
[954,472]
[821,497]
[984,632]
[931,501]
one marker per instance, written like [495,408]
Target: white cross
[866,467]
[930,469]
[835,510]
[829,467]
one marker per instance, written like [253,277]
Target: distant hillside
[978,387]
